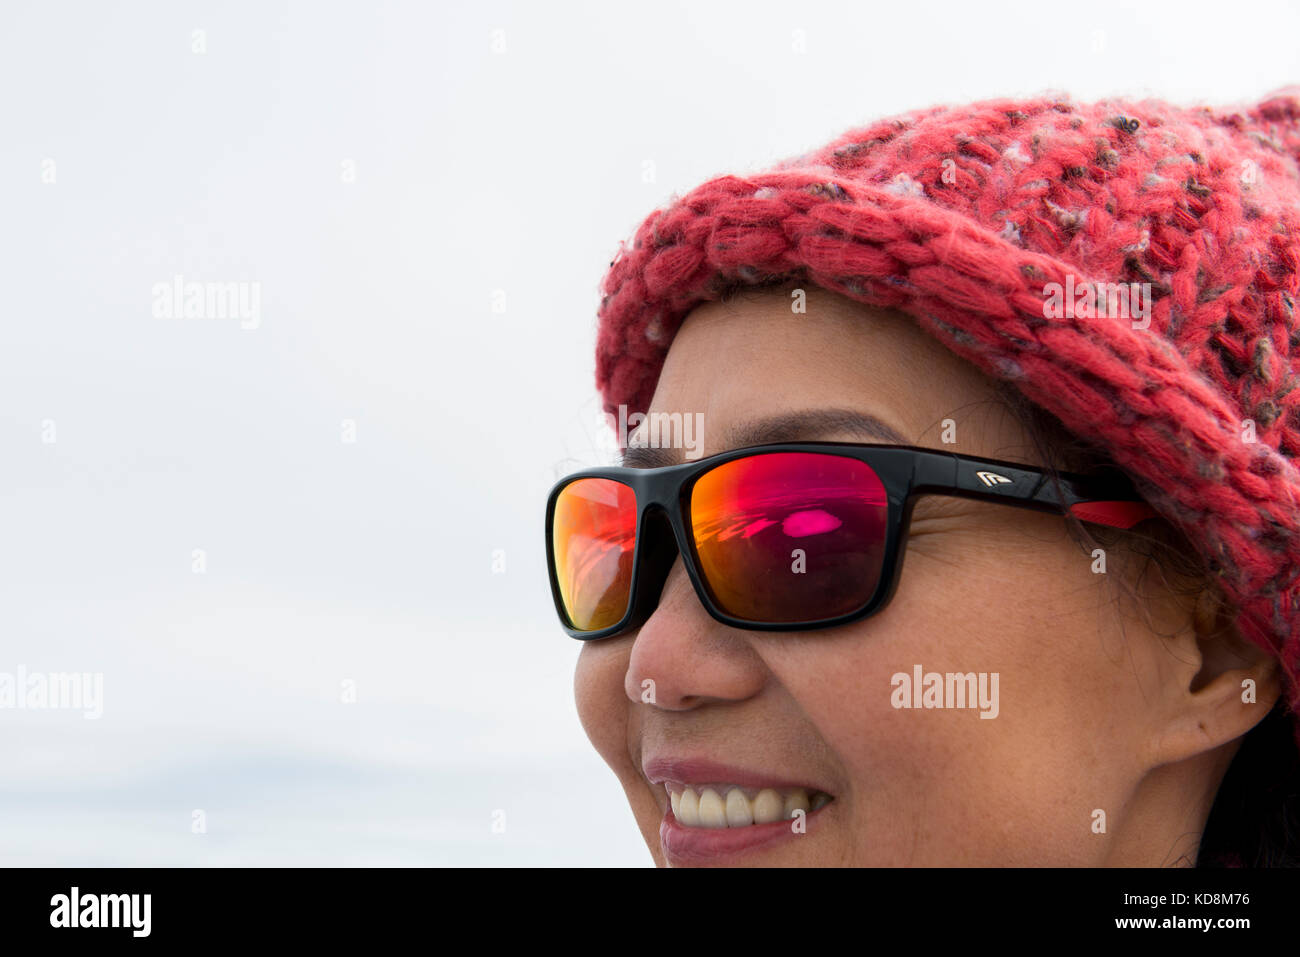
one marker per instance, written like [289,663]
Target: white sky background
[372,562]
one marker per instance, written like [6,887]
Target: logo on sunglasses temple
[992,478]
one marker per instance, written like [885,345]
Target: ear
[1233,685]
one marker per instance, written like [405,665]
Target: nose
[683,658]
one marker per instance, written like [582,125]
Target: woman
[1040,350]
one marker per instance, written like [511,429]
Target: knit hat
[962,216]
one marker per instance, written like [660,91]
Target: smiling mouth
[716,806]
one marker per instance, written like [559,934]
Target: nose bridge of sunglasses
[657,552]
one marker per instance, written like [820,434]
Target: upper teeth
[728,806]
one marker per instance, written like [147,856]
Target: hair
[1255,818]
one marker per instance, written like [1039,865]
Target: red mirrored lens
[593,534]
[789,537]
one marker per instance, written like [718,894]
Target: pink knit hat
[960,216]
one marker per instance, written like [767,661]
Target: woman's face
[1063,769]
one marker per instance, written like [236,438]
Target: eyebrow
[808,425]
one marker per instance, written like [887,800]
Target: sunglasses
[779,537]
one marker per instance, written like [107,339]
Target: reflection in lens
[790,536]
[593,534]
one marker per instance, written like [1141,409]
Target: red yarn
[959,216]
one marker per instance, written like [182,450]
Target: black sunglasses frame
[907,472]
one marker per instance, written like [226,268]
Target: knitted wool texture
[960,215]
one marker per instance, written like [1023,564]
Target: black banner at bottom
[128,905]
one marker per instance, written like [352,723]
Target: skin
[1136,712]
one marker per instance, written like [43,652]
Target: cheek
[606,715]
[944,784]
[598,693]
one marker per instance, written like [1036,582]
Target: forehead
[738,364]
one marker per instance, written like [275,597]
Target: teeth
[708,808]
[713,813]
[688,810]
[738,812]
[767,807]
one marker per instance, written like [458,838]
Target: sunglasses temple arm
[954,474]
[1113,504]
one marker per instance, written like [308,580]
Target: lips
[717,813]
